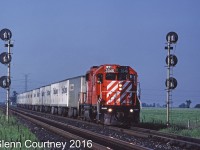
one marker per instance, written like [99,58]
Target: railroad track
[169,139]
[176,139]
[99,141]
[172,139]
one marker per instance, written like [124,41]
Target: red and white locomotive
[107,94]
[112,94]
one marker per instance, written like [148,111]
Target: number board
[109,69]
[123,69]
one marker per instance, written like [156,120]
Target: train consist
[106,94]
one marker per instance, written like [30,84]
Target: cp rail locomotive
[106,94]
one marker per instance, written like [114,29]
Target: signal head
[172,37]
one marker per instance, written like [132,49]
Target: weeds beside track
[13,133]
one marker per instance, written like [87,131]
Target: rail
[98,141]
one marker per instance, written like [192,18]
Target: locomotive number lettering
[79,143]
[109,69]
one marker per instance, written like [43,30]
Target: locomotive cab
[111,95]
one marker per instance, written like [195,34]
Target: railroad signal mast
[171,61]
[5,58]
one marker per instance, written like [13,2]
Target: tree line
[186,104]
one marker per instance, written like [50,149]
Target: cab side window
[87,77]
[100,78]
[132,77]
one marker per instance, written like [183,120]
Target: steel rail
[108,142]
[172,138]
[147,133]
[65,134]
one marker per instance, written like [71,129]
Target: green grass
[12,131]
[184,121]
[194,132]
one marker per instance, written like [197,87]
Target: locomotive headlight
[131,110]
[110,110]
[120,87]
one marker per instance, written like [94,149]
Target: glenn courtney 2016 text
[31,144]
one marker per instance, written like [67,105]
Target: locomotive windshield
[110,76]
[120,76]
[121,73]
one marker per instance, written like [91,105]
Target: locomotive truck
[106,94]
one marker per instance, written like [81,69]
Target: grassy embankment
[13,131]
[184,122]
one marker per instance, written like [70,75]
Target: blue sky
[55,40]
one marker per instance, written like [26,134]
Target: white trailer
[55,94]
[28,99]
[77,86]
[35,99]
[41,98]
[47,95]
[63,93]
[61,97]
